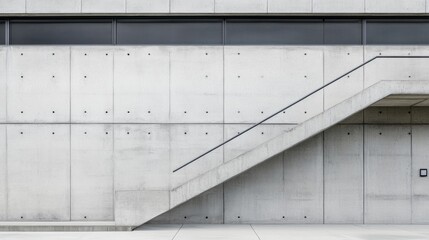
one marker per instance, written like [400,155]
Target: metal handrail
[294,103]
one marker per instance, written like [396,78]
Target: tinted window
[55,32]
[343,32]
[274,32]
[397,32]
[170,32]
[2,33]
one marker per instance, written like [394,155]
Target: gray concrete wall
[348,174]
[105,123]
[211,6]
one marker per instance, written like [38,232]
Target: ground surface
[241,232]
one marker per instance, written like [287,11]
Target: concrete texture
[403,6]
[52,6]
[188,141]
[241,6]
[103,6]
[289,6]
[92,172]
[3,173]
[395,69]
[142,159]
[420,186]
[245,232]
[387,174]
[254,197]
[142,93]
[192,6]
[251,139]
[339,6]
[38,93]
[148,6]
[303,182]
[259,68]
[212,6]
[199,79]
[343,174]
[38,171]
[146,137]
[12,6]
[91,85]
[3,85]
[290,138]
[132,207]
[338,61]
[208,208]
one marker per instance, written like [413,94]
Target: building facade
[115,113]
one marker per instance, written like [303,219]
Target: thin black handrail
[294,103]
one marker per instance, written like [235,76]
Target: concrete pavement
[240,232]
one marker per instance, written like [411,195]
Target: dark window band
[198,31]
[2,33]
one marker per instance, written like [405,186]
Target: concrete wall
[211,6]
[349,174]
[88,125]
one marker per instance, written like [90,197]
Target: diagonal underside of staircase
[134,209]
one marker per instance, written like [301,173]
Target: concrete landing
[241,232]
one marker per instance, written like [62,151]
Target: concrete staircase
[153,203]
